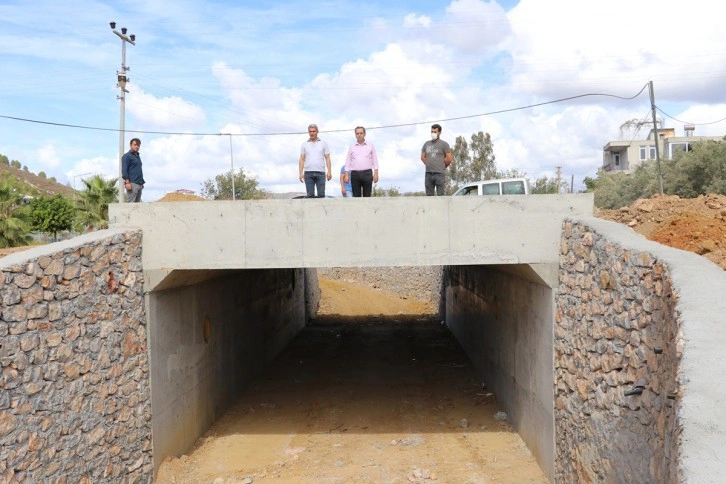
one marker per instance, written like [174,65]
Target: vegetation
[689,174]
[14,216]
[471,162]
[246,187]
[93,202]
[385,192]
[475,161]
[547,185]
[52,215]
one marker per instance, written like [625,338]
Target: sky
[551,81]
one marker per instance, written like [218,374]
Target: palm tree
[94,200]
[14,218]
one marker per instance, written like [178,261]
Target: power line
[685,122]
[416,123]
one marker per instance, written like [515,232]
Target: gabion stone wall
[74,384]
[617,352]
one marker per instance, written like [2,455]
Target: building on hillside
[623,156]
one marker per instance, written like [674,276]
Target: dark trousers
[315,180]
[434,182]
[362,182]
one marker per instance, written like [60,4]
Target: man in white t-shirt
[314,164]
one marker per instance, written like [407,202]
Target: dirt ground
[377,392]
[693,224]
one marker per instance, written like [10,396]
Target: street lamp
[122,80]
[74,182]
[231,158]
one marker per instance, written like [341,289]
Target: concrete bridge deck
[405,231]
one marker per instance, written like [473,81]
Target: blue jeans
[315,179]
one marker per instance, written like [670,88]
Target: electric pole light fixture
[122,79]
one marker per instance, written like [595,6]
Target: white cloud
[412,20]
[167,113]
[47,157]
[392,65]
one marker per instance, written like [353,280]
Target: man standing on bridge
[314,164]
[361,165]
[436,157]
[131,172]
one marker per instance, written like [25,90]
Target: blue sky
[264,70]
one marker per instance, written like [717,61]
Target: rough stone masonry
[617,354]
[75,400]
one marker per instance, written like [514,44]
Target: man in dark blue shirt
[131,172]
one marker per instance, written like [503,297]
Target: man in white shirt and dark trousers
[314,164]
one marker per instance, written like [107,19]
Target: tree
[483,161]
[511,173]
[460,159]
[15,164]
[4,160]
[93,202]
[42,174]
[14,217]
[385,192]
[246,187]
[697,172]
[590,184]
[472,162]
[52,215]
[545,185]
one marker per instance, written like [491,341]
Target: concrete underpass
[232,303]
[212,337]
[123,346]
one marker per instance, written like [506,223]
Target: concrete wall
[208,339]
[74,376]
[405,231]
[638,360]
[502,318]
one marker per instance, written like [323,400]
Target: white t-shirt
[314,154]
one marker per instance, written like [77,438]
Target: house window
[652,153]
[643,153]
[616,159]
[675,147]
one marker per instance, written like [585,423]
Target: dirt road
[362,398]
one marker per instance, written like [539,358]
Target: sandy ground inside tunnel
[375,390]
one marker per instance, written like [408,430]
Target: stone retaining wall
[617,353]
[74,385]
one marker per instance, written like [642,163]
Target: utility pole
[231,158]
[122,80]
[559,174]
[655,135]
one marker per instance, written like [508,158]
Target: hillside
[32,184]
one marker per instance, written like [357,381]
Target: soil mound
[181,196]
[693,224]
